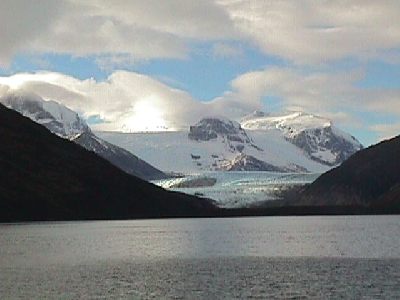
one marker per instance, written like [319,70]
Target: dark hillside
[43,177]
[371,177]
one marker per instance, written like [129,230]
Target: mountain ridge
[370,177]
[67,124]
[45,177]
[315,135]
[216,143]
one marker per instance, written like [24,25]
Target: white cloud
[24,21]
[304,31]
[131,101]
[311,91]
[382,100]
[125,101]
[132,30]
[315,31]
[335,95]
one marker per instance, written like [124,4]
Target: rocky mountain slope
[370,177]
[45,177]
[290,143]
[67,124]
[316,136]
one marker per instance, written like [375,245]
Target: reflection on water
[201,258]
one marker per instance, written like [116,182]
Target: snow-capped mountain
[217,144]
[67,124]
[241,151]
[244,162]
[228,132]
[57,118]
[295,142]
[316,136]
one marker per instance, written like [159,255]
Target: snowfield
[295,142]
[315,135]
[174,152]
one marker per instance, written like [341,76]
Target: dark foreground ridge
[370,178]
[66,123]
[44,177]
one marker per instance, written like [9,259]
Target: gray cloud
[133,101]
[314,31]
[117,30]
[332,94]
[128,101]
[304,31]
[22,22]
[310,34]
[386,131]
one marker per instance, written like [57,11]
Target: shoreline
[283,211]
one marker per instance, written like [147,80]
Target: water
[241,189]
[272,257]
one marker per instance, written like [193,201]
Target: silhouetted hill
[44,177]
[67,124]
[371,177]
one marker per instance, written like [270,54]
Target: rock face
[316,136]
[324,146]
[45,177]
[245,162]
[195,182]
[370,177]
[295,142]
[67,124]
[212,128]
[236,140]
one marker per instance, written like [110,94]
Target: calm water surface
[273,257]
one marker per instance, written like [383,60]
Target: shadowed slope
[44,177]
[370,177]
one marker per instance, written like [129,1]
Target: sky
[162,65]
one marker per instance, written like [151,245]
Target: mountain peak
[296,120]
[45,177]
[315,135]
[254,115]
[67,124]
[210,128]
[54,116]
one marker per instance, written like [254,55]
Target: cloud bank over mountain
[129,101]
[314,55]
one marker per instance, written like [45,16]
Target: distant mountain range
[45,177]
[293,142]
[369,178]
[67,124]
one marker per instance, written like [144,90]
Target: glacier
[237,189]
